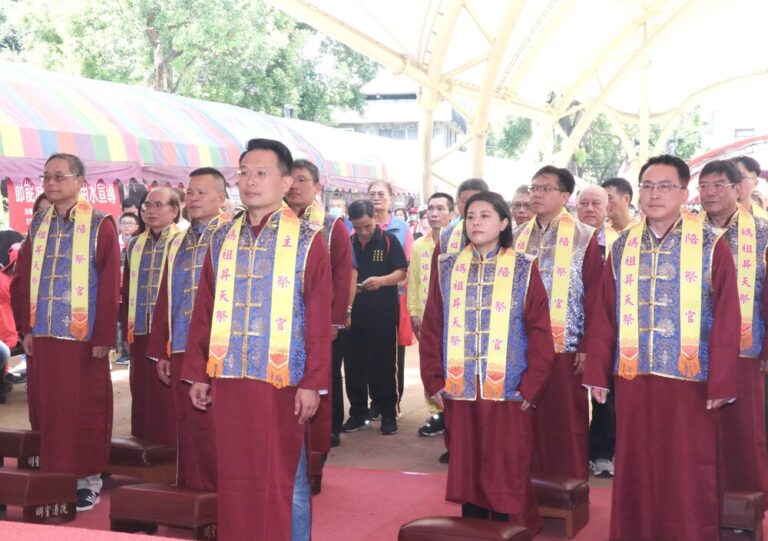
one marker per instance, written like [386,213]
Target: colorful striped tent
[122,131]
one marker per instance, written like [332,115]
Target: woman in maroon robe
[490,440]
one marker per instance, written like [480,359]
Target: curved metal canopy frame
[499,82]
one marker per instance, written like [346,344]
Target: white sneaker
[602,467]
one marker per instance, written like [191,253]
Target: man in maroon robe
[325,427]
[561,422]
[666,473]
[263,488]
[75,403]
[152,417]
[196,449]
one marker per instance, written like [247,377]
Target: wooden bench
[42,496]
[23,445]
[563,498]
[149,462]
[142,508]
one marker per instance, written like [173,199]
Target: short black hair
[523,189]
[621,185]
[129,215]
[473,184]
[215,173]
[451,202]
[284,156]
[502,209]
[565,179]
[683,171]
[723,167]
[309,166]
[76,166]
[129,202]
[358,209]
[750,164]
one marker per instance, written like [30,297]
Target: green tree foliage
[242,52]
[511,142]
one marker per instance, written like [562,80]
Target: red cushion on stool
[163,504]
[742,510]
[135,452]
[559,491]
[461,529]
[42,495]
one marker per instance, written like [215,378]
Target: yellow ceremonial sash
[610,237]
[496,358]
[315,215]
[281,311]
[133,279]
[759,211]
[81,241]
[561,273]
[454,241]
[691,252]
[747,268]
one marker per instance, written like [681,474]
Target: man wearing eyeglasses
[743,450]
[66,292]
[152,417]
[666,325]
[521,205]
[259,351]
[570,262]
[749,169]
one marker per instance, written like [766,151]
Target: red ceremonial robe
[341,275]
[491,442]
[152,412]
[666,480]
[561,421]
[258,453]
[73,402]
[743,453]
[195,435]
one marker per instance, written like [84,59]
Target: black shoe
[433,426]
[354,424]
[86,499]
[443,459]
[388,425]
[374,413]
[335,439]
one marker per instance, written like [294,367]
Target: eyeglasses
[377,194]
[545,189]
[664,187]
[715,186]
[521,206]
[748,178]
[147,206]
[245,174]
[56,177]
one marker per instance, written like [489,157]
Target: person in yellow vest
[743,452]
[259,351]
[486,354]
[439,212]
[152,417]
[67,290]
[749,168]
[666,326]
[570,263]
[619,192]
[196,452]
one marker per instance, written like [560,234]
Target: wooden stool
[137,508]
[315,472]
[743,512]
[150,462]
[461,529]
[23,445]
[42,496]
[563,498]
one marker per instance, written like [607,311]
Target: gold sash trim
[454,241]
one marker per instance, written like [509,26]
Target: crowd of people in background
[521,310]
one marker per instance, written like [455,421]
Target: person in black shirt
[371,349]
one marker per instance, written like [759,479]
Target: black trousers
[602,430]
[337,385]
[370,361]
[400,373]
